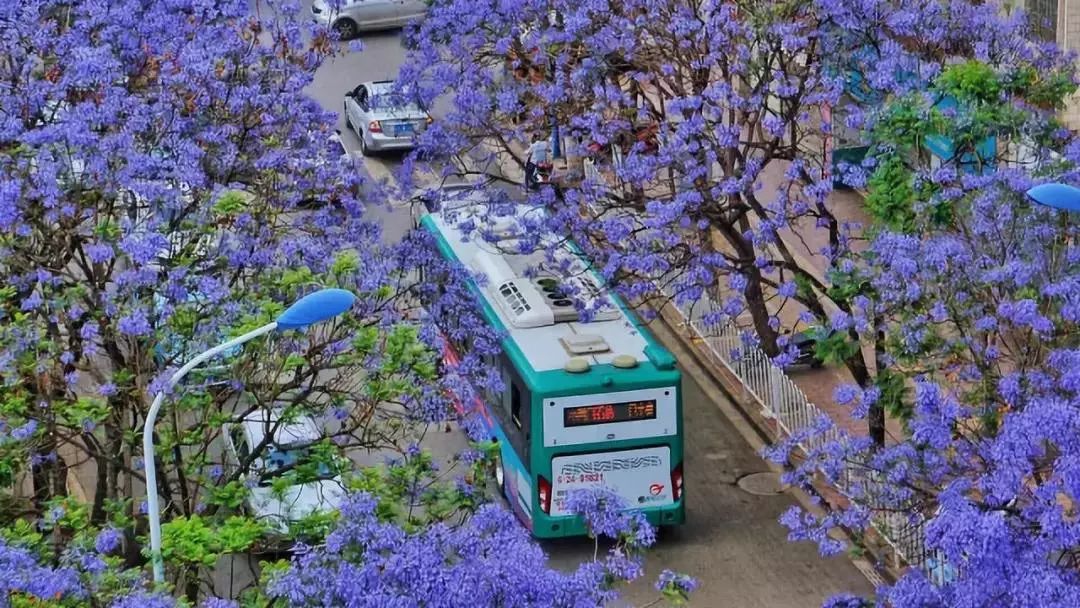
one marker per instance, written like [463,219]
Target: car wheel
[667,532]
[346,29]
[345,110]
[363,144]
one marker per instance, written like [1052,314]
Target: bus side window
[508,382]
[515,404]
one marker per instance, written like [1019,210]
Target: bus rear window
[607,413]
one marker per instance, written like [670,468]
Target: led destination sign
[607,413]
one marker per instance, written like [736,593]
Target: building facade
[1059,21]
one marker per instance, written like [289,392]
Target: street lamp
[1058,196]
[312,308]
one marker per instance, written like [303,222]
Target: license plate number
[400,130]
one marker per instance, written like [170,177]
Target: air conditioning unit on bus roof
[540,302]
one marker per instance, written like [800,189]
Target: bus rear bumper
[562,527]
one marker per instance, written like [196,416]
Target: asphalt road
[732,542]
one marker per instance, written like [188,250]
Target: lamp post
[1058,196]
[312,308]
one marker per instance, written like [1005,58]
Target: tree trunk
[755,296]
[876,416]
[759,312]
[97,512]
[178,461]
[191,584]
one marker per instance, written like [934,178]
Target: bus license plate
[642,477]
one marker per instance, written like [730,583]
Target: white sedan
[288,448]
[383,119]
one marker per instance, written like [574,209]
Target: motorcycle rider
[537,159]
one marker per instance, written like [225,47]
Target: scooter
[804,342]
[540,177]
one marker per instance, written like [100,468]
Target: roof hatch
[584,344]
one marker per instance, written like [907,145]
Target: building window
[1044,18]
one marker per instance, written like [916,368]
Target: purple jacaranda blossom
[20,573]
[135,323]
[25,431]
[142,599]
[371,561]
[675,580]
[108,540]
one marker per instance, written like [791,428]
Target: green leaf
[238,534]
[971,82]
[231,495]
[833,347]
[296,277]
[891,197]
[189,541]
[294,361]
[232,202]
[892,394]
[345,263]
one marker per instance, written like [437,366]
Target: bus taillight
[676,482]
[544,487]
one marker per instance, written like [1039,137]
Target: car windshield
[298,460]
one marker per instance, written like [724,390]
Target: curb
[754,428]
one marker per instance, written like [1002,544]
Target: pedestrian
[536,156]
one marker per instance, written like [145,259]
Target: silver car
[350,17]
[383,119]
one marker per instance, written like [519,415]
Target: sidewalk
[819,384]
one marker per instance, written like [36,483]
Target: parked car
[351,17]
[337,147]
[382,118]
[321,492]
[175,350]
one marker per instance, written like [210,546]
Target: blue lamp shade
[1058,196]
[316,307]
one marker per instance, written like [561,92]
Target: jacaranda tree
[708,125]
[977,288]
[489,560]
[705,124]
[166,185]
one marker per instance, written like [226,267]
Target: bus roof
[545,329]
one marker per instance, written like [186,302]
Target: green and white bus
[585,404]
